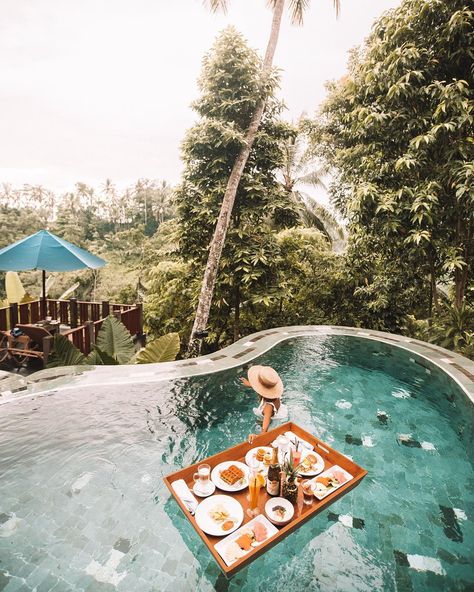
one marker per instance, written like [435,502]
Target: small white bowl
[279,501]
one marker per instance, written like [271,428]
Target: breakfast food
[219,513]
[259,531]
[252,536]
[339,475]
[279,511]
[329,481]
[326,481]
[227,525]
[308,463]
[244,541]
[232,474]
[260,454]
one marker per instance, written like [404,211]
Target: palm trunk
[217,243]
[236,310]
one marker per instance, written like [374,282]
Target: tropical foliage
[265,82]
[114,346]
[253,286]
[397,132]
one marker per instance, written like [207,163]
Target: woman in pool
[268,385]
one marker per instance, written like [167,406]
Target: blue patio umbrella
[48,252]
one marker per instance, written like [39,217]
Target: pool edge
[243,351]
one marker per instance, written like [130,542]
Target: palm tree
[300,168]
[162,201]
[297,8]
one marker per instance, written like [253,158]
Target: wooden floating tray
[302,512]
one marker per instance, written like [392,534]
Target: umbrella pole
[43,299]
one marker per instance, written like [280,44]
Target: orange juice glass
[256,481]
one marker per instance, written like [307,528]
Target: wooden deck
[84,318]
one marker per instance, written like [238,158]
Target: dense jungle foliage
[394,136]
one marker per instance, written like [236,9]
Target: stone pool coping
[50,381]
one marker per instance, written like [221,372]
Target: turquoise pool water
[83,506]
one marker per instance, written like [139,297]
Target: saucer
[200,493]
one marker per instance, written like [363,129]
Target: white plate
[221,546]
[317,468]
[252,454]
[325,491]
[279,501]
[216,477]
[199,493]
[210,526]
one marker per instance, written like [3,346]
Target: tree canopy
[398,133]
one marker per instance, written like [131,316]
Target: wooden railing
[84,318]
[84,337]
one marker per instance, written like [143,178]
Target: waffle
[232,474]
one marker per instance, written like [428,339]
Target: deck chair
[35,343]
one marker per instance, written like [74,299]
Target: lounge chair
[35,343]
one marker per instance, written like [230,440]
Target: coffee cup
[202,478]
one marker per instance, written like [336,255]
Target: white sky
[91,89]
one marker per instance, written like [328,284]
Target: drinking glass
[307,487]
[253,465]
[256,481]
[296,456]
[283,443]
[202,476]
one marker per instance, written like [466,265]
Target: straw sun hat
[265,381]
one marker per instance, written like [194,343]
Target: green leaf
[163,349]
[97,357]
[64,353]
[115,341]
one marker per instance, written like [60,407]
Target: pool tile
[123,545]
[355,441]
[423,563]
[451,526]
[401,558]
[402,579]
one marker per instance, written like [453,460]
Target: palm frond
[216,5]
[297,10]
[313,178]
[314,214]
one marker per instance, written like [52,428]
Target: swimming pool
[83,505]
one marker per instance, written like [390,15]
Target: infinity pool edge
[243,351]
